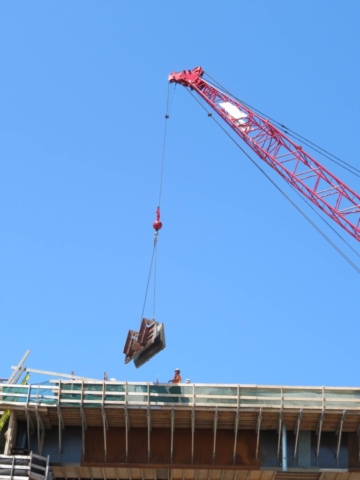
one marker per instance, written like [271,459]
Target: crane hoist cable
[141,345]
[157,224]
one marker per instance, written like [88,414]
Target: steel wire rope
[155,267]
[168,106]
[324,220]
[323,234]
[295,135]
[148,281]
[153,262]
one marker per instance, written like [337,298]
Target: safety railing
[99,394]
[22,467]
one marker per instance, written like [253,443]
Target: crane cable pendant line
[297,167]
[356,268]
[293,134]
[157,224]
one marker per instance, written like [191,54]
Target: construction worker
[177,376]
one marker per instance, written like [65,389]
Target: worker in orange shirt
[177,376]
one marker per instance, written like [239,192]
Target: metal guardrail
[20,467]
[99,394]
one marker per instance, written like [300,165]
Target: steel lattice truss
[296,166]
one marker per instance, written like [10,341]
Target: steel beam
[29,427]
[279,433]
[104,418]
[236,428]
[83,428]
[258,426]
[339,433]
[83,418]
[148,417]
[172,435]
[61,426]
[40,430]
[296,431]
[127,428]
[18,370]
[55,374]
[215,432]
[105,428]
[192,435]
[318,432]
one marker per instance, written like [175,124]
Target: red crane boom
[296,166]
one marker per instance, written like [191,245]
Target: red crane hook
[157,224]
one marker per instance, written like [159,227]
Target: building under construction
[108,430]
[73,428]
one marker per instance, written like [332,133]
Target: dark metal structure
[142,345]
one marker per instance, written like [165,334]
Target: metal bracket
[172,434]
[258,426]
[61,426]
[192,435]
[105,427]
[339,433]
[296,431]
[215,432]
[279,433]
[29,427]
[236,428]
[318,432]
[148,417]
[127,428]
[40,430]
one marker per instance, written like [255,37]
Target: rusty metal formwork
[142,345]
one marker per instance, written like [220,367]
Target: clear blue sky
[249,292]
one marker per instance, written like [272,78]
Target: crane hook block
[157,224]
